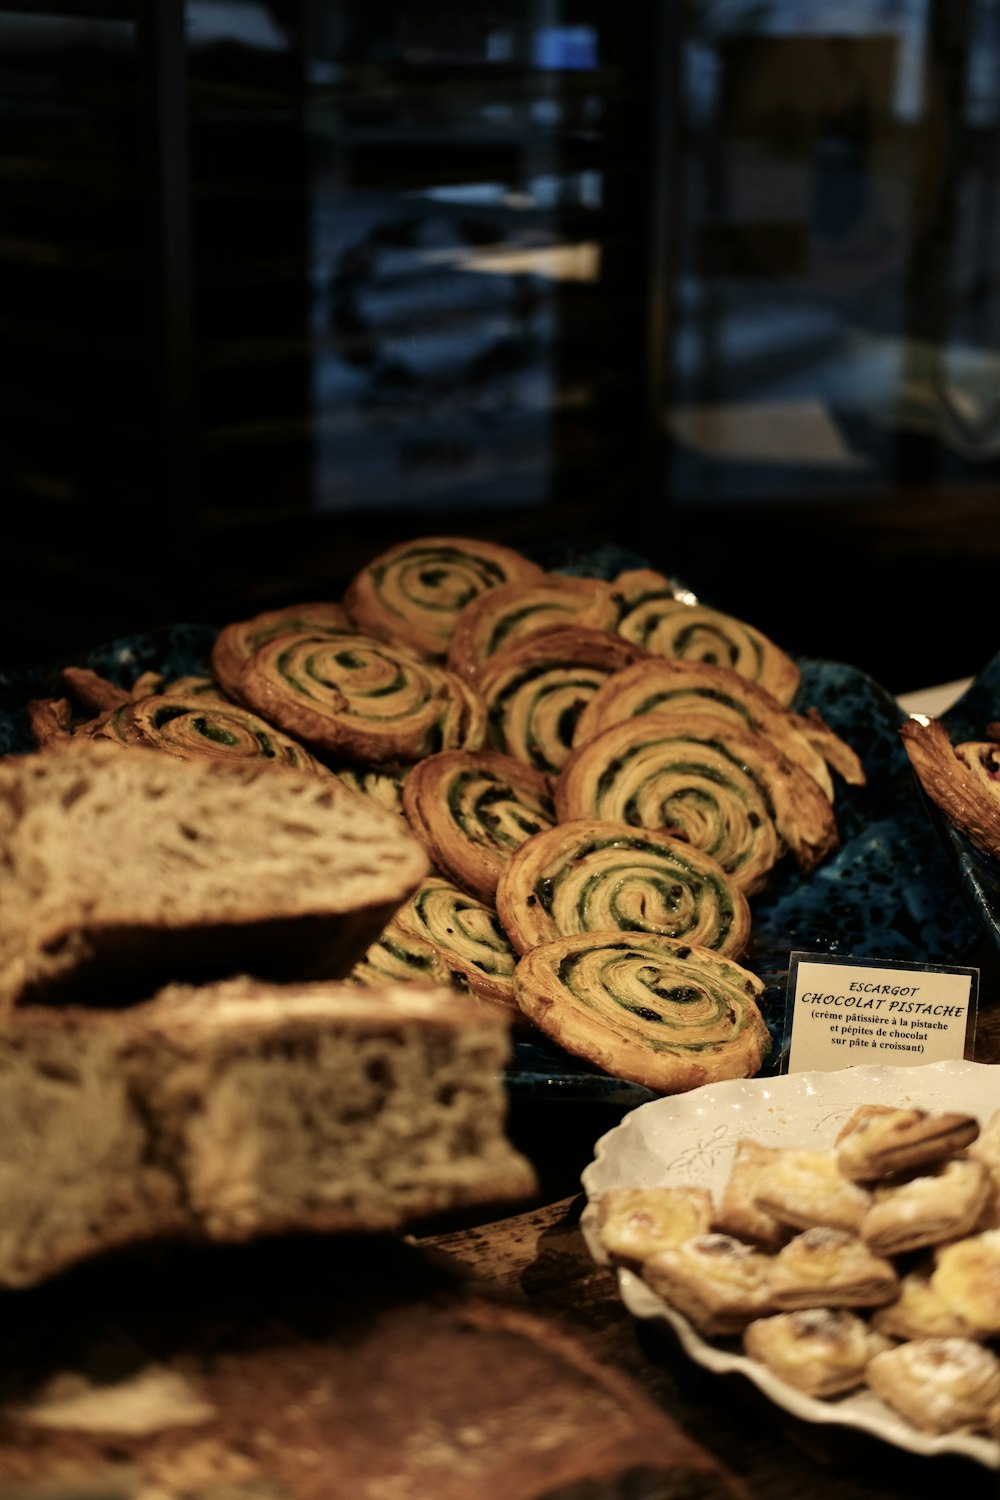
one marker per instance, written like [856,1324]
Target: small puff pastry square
[635,1223]
[943,1204]
[715,1280]
[830,1268]
[739,1213]
[821,1350]
[879,1141]
[805,1189]
[920,1312]
[966,1276]
[939,1384]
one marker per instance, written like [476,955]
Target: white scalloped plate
[690,1139]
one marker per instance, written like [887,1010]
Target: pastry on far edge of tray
[963,780]
[505,615]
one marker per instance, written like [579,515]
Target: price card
[845,1011]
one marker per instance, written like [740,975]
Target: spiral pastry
[661,685]
[236,643]
[963,780]
[383,787]
[398,955]
[668,1015]
[536,690]
[466,935]
[643,607]
[199,728]
[589,876]
[413,593]
[471,809]
[512,611]
[361,699]
[724,789]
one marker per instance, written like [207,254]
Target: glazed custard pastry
[920,1311]
[739,1211]
[823,1351]
[715,1281]
[646,1008]
[413,593]
[804,1189]
[939,1384]
[535,690]
[357,698]
[966,1276]
[723,788]
[831,1268]
[644,608]
[505,615]
[589,876]
[879,1141]
[472,809]
[636,1223]
[945,1203]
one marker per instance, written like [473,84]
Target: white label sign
[842,1012]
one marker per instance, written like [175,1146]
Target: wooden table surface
[540,1256]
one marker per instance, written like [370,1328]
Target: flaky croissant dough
[963,780]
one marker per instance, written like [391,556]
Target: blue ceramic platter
[890,892]
[978,874]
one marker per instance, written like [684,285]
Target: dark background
[285,282]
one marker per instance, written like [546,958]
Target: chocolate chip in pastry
[634,1223]
[738,1211]
[472,809]
[505,615]
[723,788]
[639,1006]
[536,689]
[590,876]
[716,1281]
[881,1141]
[966,1276]
[920,1311]
[414,592]
[467,936]
[644,607]
[938,1384]
[804,1189]
[963,780]
[237,642]
[360,699]
[823,1351]
[831,1268]
[945,1203]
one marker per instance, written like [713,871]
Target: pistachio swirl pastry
[237,642]
[383,787]
[471,809]
[643,607]
[590,876]
[963,780]
[724,789]
[361,699]
[399,955]
[414,593]
[662,685]
[667,1015]
[507,614]
[466,935]
[199,728]
[536,689]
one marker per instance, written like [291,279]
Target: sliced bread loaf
[240,1110]
[122,871]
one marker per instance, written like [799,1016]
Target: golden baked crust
[643,608]
[738,1212]
[823,1351]
[201,728]
[357,697]
[831,1268]
[938,1384]
[535,690]
[962,780]
[966,1276]
[635,1223]
[505,615]
[920,1311]
[414,592]
[881,1141]
[471,809]
[237,642]
[716,1281]
[723,787]
[586,876]
[804,1189]
[945,1203]
[643,1007]
[467,935]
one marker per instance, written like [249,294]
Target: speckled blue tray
[890,892]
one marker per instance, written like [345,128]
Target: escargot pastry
[643,607]
[414,592]
[587,876]
[398,954]
[963,780]
[723,788]
[466,934]
[535,690]
[665,1014]
[511,611]
[384,787]
[657,685]
[200,728]
[359,698]
[471,809]
[237,642]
